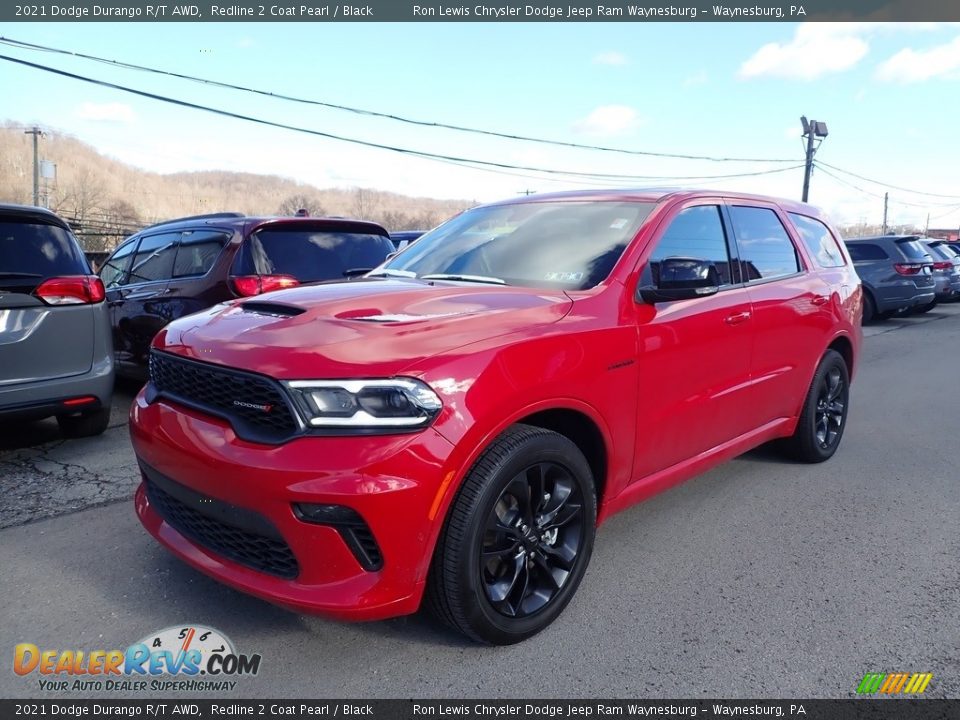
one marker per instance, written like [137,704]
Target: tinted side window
[197,252]
[819,241]
[866,251]
[696,232]
[154,258]
[766,251]
[114,270]
[39,249]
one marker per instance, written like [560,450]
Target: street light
[811,129]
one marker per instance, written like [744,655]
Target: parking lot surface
[762,578]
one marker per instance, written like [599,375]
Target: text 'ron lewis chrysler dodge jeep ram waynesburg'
[456,425]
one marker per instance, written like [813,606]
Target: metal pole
[809,167]
[886,197]
[35,131]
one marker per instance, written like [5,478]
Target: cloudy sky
[888,94]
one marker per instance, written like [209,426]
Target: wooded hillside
[107,200]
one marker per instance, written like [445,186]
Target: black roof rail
[208,216]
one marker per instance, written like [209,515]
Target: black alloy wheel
[831,408]
[517,538]
[824,413]
[533,536]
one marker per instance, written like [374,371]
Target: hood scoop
[272,308]
[403,317]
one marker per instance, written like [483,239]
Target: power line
[367,143]
[373,113]
[888,185]
[859,189]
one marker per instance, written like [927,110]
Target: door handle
[737,318]
[820,300]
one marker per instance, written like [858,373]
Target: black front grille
[258,551]
[255,405]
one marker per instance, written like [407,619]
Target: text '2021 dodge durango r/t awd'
[454,427]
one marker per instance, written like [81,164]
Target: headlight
[365,404]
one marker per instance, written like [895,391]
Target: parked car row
[65,331]
[904,273]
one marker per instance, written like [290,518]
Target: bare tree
[300,201]
[365,203]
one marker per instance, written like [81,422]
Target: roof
[250,223]
[34,213]
[658,194]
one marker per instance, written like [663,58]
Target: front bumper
[392,482]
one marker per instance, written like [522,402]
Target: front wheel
[824,414]
[517,539]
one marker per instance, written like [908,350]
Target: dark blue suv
[897,275]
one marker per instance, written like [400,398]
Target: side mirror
[681,279]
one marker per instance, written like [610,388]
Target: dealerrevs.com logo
[179,658]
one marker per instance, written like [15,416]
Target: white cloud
[114,112]
[816,49]
[608,120]
[909,65]
[610,58]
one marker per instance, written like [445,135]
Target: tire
[507,511]
[924,308]
[84,424]
[869,309]
[824,414]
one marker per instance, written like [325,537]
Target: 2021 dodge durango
[455,426]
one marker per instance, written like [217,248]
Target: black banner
[640,11]
[854,709]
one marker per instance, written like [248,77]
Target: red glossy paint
[670,389]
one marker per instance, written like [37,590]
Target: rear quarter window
[311,255]
[819,241]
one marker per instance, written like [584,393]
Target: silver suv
[56,356]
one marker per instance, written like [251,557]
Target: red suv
[456,425]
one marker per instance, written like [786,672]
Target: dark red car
[457,424]
[178,267]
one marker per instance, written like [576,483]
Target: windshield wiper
[465,278]
[11,275]
[353,272]
[389,272]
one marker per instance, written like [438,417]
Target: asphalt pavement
[761,578]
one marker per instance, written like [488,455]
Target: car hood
[357,329]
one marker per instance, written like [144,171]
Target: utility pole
[811,129]
[526,192]
[35,131]
[886,197]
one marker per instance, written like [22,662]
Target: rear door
[791,313]
[40,341]
[137,305]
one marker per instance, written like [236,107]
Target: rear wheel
[517,539]
[824,414]
[869,308]
[84,424]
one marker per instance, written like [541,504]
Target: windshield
[562,245]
